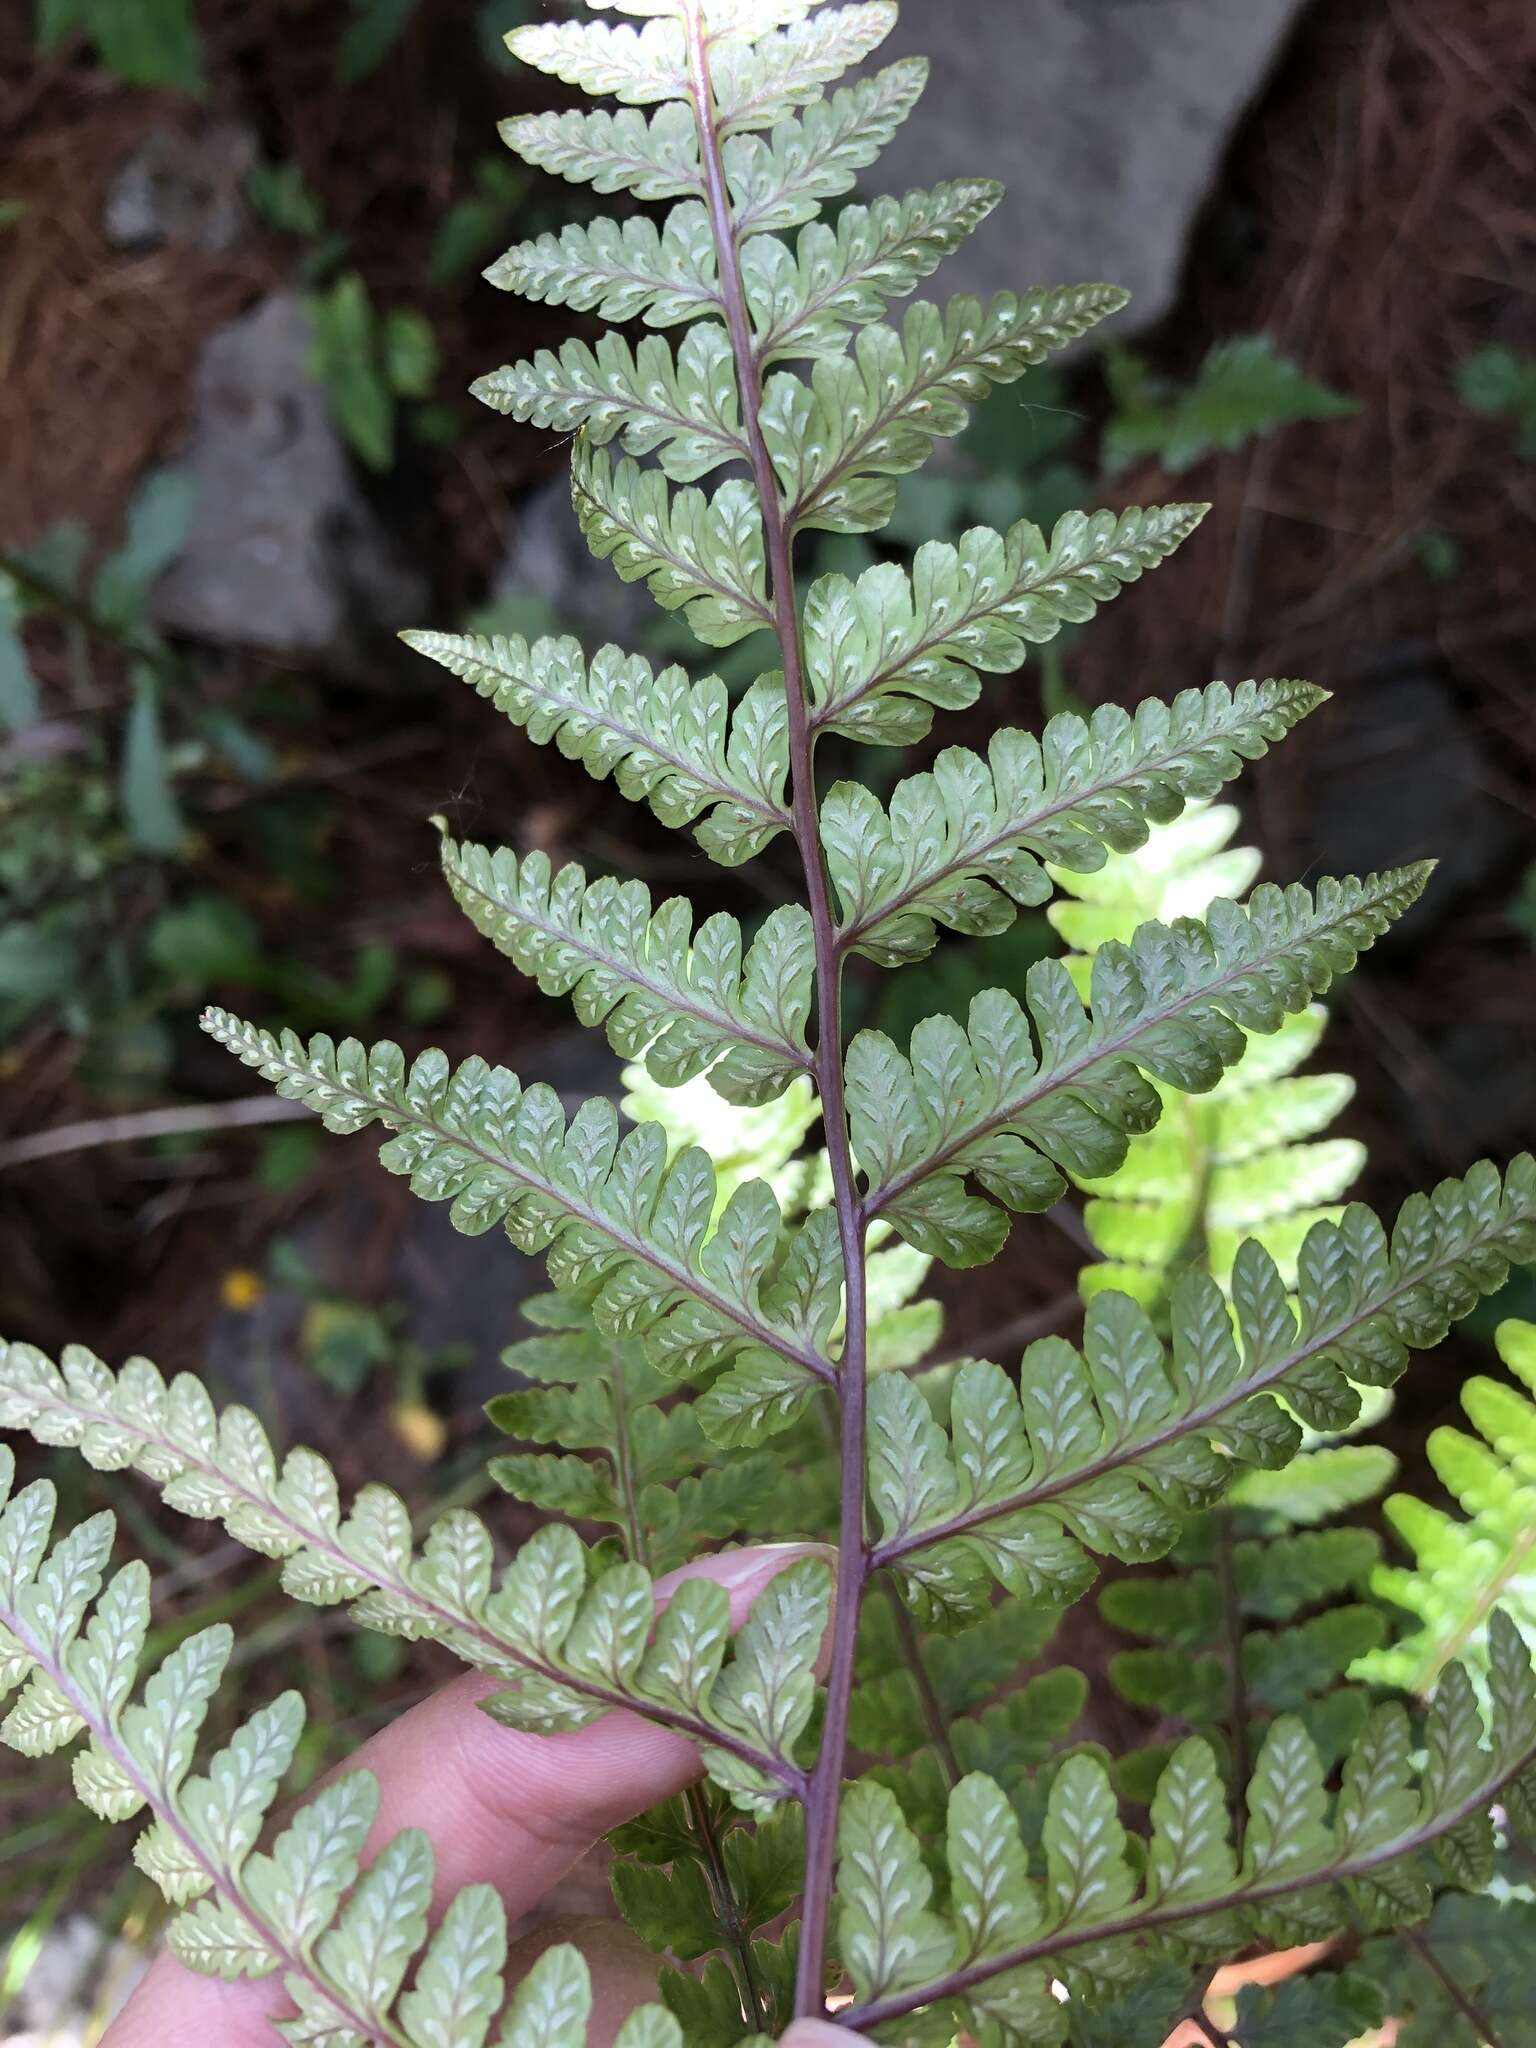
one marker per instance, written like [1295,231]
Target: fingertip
[742,1573]
[817,2034]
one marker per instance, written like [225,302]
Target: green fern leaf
[1104,1449]
[1104,1919]
[702,556]
[883,648]
[655,158]
[758,84]
[1462,1568]
[803,302]
[838,443]
[621,270]
[1173,1005]
[686,1003]
[637,66]
[542,1625]
[1246,1160]
[1244,388]
[683,408]
[888,1937]
[962,843]
[781,182]
[623,1229]
[666,741]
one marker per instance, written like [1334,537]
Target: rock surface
[286,555]
[1106,119]
[182,187]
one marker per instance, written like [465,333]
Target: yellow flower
[241,1289]
[424,1433]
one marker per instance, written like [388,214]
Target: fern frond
[1108,1446]
[702,556]
[885,647]
[1463,1568]
[597,1394]
[1467,1979]
[839,443]
[623,1230]
[666,741]
[937,1706]
[1096,1918]
[686,1003]
[682,408]
[781,182]
[962,844]
[654,158]
[757,84]
[622,270]
[1174,1005]
[804,301]
[572,1644]
[636,66]
[1232,1639]
[345,1938]
[1246,1160]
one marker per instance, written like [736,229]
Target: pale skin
[516,1811]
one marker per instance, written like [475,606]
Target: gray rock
[1401,776]
[551,582]
[182,187]
[285,554]
[78,1981]
[1106,119]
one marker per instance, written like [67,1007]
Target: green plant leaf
[884,647]
[665,740]
[1174,1005]
[962,843]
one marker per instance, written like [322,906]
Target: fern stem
[700,1824]
[727,1909]
[1414,1938]
[1275,1371]
[1515,1563]
[929,1703]
[1149,1919]
[166,1811]
[853,1559]
[1237,1684]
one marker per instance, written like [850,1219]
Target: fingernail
[755,1565]
[816,2034]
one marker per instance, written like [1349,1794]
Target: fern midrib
[852,1564]
[1516,1555]
[163,1806]
[994,606]
[1017,830]
[638,742]
[859,271]
[394,1117]
[1048,1082]
[613,512]
[328,1545]
[561,264]
[676,996]
[1194,1419]
[642,403]
[876,2012]
[884,417]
